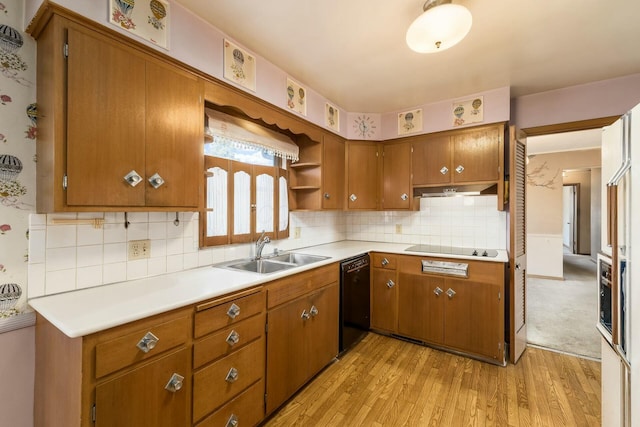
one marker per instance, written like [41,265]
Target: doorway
[570,218]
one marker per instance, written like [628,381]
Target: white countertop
[86,311]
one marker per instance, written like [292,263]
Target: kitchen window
[246,182]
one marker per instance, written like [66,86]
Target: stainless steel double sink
[273,263]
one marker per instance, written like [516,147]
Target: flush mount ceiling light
[441,26]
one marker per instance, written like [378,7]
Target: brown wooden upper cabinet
[362,175]
[396,176]
[459,157]
[333,170]
[119,129]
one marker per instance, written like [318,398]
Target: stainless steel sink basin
[261,266]
[298,259]
[272,264]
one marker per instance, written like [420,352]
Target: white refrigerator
[620,236]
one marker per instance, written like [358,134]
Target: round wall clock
[364,126]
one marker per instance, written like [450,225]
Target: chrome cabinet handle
[353,197]
[450,293]
[384,262]
[518,266]
[232,421]
[147,342]
[233,338]
[133,178]
[234,311]
[444,170]
[313,311]
[175,383]
[404,196]
[305,315]
[437,291]
[327,196]
[156,180]
[460,168]
[390,284]
[232,375]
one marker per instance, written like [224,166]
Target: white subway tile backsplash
[115,252]
[138,231]
[137,269]
[60,281]
[115,272]
[88,277]
[175,263]
[114,233]
[61,236]
[88,235]
[157,230]
[175,246]
[89,256]
[157,217]
[36,285]
[60,259]
[156,266]
[37,245]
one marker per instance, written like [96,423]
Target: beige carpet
[562,314]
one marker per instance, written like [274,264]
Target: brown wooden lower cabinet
[247,409]
[141,397]
[462,314]
[302,335]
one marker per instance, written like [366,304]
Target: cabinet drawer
[211,388]
[386,261]
[214,346]
[292,287]
[220,316]
[247,409]
[479,271]
[124,351]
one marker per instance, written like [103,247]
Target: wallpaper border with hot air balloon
[468,111]
[296,97]
[148,19]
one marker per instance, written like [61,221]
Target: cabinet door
[474,318]
[286,359]
[431,161]
[139,398]
[333,170]
[174,135]
[384,300]
[396,176]
[105,122]
[420,307]
[362,175]
[322,332]
[476,155]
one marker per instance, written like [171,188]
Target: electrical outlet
[398,228]
[139,249]
[296,232]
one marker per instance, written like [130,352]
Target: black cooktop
[454,250]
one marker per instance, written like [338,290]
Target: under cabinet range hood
[454,191]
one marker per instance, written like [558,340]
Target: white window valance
[233,130]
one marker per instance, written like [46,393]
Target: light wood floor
[388,382]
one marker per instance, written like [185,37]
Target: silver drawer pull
[384,261]
[450,293]
[175,383]
[404,196]
[444,170]
[437,291]
[233,338]
[133,178]
[305,315]
[234,311]
[460,168]
[232,421]
[353,198]
[232,375]
[327,196]
[156,180]
[148,342]
[390,284]
[313,311]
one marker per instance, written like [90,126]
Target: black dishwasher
[354,300]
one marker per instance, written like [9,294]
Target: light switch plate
[139,249]
[398,228]
[296,232]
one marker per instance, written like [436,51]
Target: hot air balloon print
[10,39]
[10,167]
[121,13]
[159,12]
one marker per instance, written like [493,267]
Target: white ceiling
[566,141]
[354,53]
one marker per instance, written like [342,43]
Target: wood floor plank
[387,382]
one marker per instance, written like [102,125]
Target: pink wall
[17,360]
[588,101]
